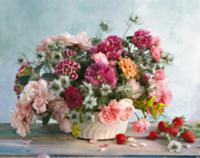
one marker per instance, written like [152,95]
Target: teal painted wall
[23,23]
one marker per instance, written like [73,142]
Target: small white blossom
[74,116]
[41,57]
[90,102]
[56,57]
[89,116]
[174,146]
[87,88]
[105,89]
[65,81]
[56,87]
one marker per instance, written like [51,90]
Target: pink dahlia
[99,73]
[112,47]
[73,97]
[142,39]
[68,67]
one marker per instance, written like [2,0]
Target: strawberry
[153,135]
[188,136]
[178,122]
[120,138]
[173,131]
[162,126]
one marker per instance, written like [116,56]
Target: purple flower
[142,39]
[112,47]
[99,73]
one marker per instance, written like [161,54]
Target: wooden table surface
[57,144]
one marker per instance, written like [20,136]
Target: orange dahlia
[128,67]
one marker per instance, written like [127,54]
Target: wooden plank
[55,143]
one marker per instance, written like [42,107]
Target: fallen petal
[187,146]
[42,155]
[142,144]
[103,149]
[93,141]
[134,145]
[103,145]
[27,142]
[132,140]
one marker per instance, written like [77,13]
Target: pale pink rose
[159,74]
[67,39]
[141,125]
[59,109]
[136,89]
[65,125]
[40,103]
[83,40]
[43,46]
[156,53]
[109,114]
[126,109]
[164,96]
[100,58]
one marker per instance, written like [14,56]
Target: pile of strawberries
[174,129]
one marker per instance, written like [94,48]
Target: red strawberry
[178,122]
[153,135]
[162,126]
[173,131]
[188,136]
[120,138]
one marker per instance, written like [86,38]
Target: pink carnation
[159,74]
[43,46]
[141,125]
[112,47]
[155,42]
[99,73]
[142,39]
[156,53]
[109,114]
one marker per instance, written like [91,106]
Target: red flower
[178,122]
[73,97]
[162,126]
[153,135]
[188,136]
[120,138]
[173,131]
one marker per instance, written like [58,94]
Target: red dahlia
[73,97]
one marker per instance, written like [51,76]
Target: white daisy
[56,57]
[89,116]
[55,87]
[90,102]
[105,89]
[174,146]
[65,81]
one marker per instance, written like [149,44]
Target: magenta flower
[142,39]
[99,73]
[112,47]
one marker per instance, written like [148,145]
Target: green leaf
[45,120]
[38,68]
[49,76]
[26,72]
[23,80]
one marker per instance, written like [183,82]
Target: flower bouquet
[92,86]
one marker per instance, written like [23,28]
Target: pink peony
[141,125]
[136,89]
[109,115]
[73,97]
[142,39]
[67,39]
[156,53]
[40,103]
[159,74]
[100,58]
[68,67]
[155,42]
[83,40]
[99,73]
[112,47]
[65,125]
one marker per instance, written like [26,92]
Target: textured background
[23,23]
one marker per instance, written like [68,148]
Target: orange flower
[128,67]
